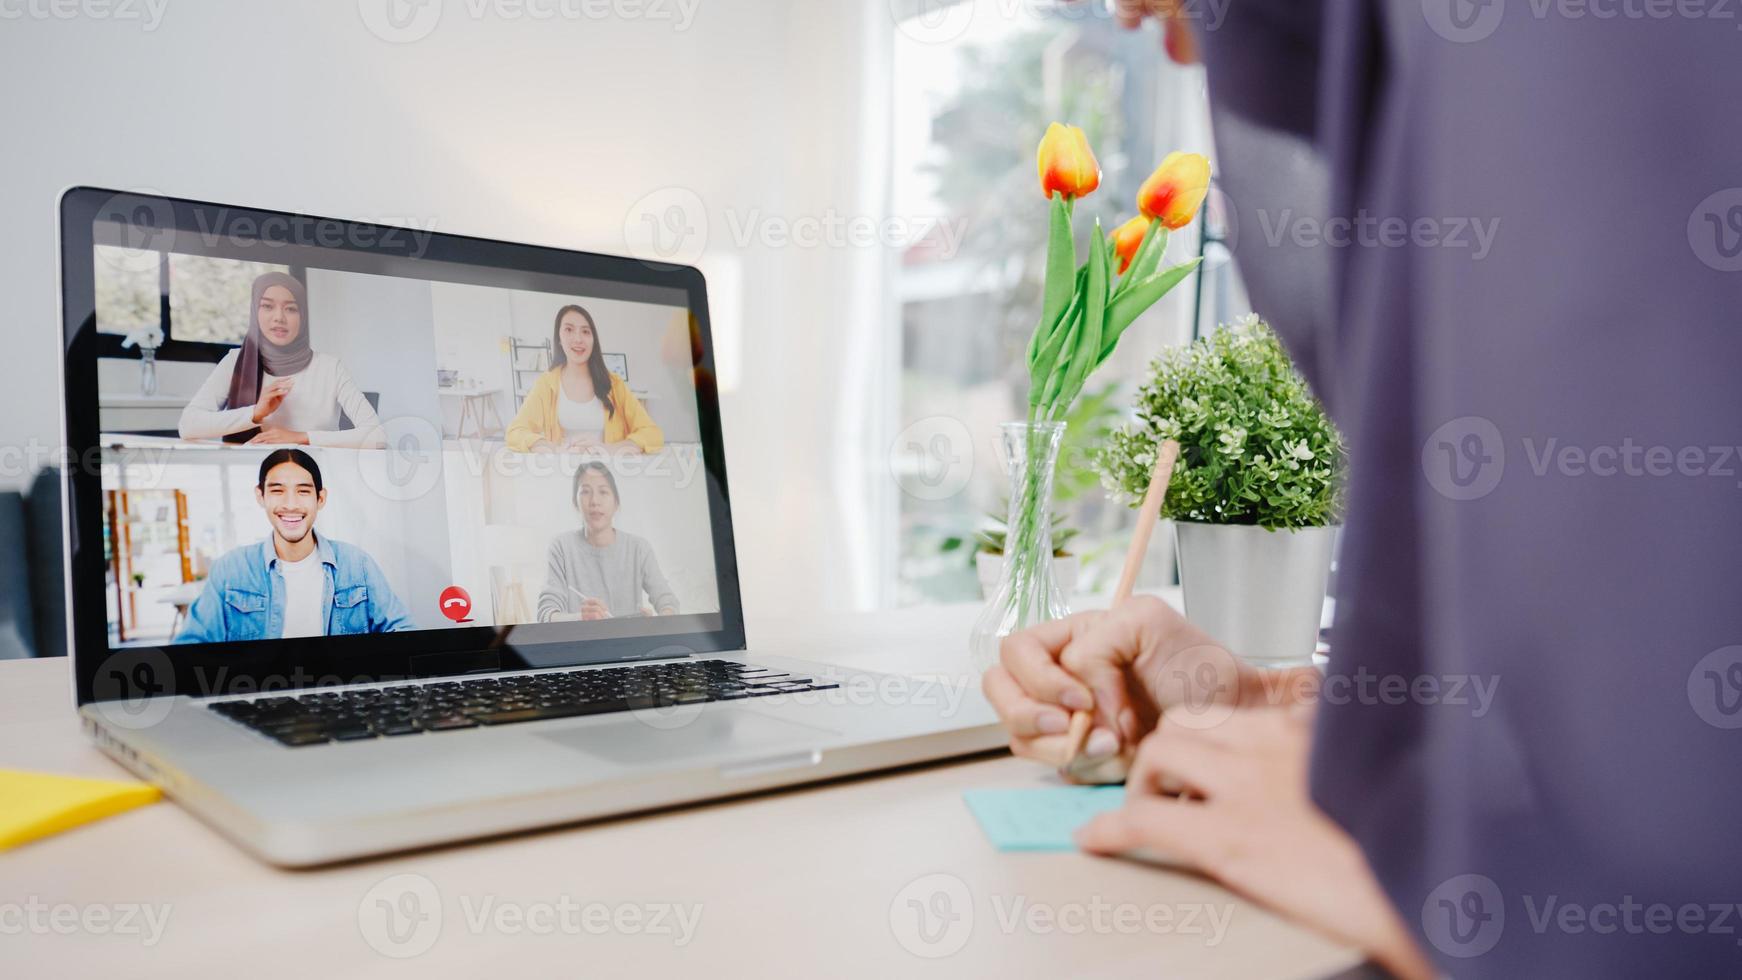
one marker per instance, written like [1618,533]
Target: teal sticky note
[1041,819]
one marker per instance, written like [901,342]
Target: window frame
[195,351]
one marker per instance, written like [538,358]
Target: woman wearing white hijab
[277,384]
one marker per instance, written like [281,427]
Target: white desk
[800,883]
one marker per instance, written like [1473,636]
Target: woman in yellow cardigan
[579,405]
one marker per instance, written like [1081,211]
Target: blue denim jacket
[244,596]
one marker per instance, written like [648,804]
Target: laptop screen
[328,430]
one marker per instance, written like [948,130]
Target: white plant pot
[1064,573]
[1258,592]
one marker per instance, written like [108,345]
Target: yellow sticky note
[37,804]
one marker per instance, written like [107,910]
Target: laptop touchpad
[666,736]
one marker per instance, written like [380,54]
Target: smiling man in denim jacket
[295,583]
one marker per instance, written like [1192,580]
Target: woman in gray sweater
[597,571]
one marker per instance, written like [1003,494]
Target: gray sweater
[618,574]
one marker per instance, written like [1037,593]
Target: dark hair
[595,364]
[298,457]
[598,467]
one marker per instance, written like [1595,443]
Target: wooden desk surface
[879,876]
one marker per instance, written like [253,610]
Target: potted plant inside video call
[1254,495]
[1085,308]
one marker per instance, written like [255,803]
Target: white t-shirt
[576,417]
[305,594]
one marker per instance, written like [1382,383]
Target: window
[975,85]
[207,311]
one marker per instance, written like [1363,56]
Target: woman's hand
[271,397]
[1127,665]
[1175,18]
[272,435]
[1246,820]
[594,609]
[584,443]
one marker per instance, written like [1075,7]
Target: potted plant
[1255,494]
[989,555]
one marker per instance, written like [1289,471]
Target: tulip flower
[1176,189]
[1127,237]
[1067,165]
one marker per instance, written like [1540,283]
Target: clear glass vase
[148,371]
[1026,593]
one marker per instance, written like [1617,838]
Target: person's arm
[526,430]
[654,584]
[643,431]
[387,614]
[556,599]
[205,618]
[1230,801]
[205,417]
[365,431]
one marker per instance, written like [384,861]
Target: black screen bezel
[211,668]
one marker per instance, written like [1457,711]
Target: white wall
[379,328]
[553,132]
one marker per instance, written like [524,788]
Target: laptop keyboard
[338,716]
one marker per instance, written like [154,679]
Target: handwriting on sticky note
[1041,819]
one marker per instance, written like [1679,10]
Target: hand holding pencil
[1071,760]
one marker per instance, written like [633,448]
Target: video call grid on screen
[430,519]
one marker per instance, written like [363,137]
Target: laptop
[373,542]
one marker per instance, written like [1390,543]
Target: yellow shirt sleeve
[537,416]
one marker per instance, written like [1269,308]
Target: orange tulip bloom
[1127,237]
[1176,189]
[1067,165]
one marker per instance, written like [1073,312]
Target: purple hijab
[261,356]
